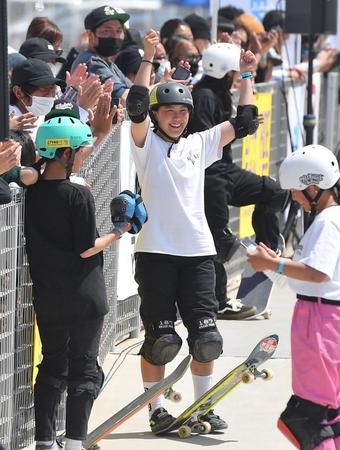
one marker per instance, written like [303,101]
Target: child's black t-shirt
[60,225]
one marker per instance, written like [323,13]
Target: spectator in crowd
[43,27]
[311,419]
[40,48]
[225,182]
[160,62]
[183,49]
[32,90]
[174,251]
[105,29]
[230,12]
[174,27]
[128,61]
[200,30]
[65,261]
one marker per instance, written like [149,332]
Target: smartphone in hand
[181,73]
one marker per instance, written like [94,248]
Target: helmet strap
[313,202]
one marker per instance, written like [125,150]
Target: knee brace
[205,341]
[161,343]
[137,103]
[301,423]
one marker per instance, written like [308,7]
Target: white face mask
[40,105]
[161,70]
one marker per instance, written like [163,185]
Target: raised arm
[246,120]
[137,102]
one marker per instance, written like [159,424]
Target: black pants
[69,361]
[228,184]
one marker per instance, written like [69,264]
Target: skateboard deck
[255,290]
[190,420]
[136,405]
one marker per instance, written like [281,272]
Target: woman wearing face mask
[33,88]
[105,30]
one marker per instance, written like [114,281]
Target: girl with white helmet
[312,417]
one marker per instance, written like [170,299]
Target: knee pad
[206,343]
[161,343]
[301,423]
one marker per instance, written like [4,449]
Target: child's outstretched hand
[248,61]
[151,40]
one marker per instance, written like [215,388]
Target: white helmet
[221,58]
[313,164]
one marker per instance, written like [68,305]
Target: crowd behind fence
[102,171]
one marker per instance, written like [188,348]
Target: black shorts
[165,281]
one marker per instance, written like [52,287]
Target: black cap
[199,26]
[39,48]
[103,14]
[63,108]
[35,73]
[129,60]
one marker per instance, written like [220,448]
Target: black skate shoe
[215,421]
[234,309]
[160,419]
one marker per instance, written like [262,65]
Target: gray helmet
[170,93]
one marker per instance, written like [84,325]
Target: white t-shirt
[173,192]
[320,248]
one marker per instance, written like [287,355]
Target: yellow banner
[36,351]
[256,154]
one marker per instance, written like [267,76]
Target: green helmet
[170,93]
[60,132]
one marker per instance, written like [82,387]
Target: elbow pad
[137,103]
[246,122]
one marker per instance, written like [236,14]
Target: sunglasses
[59,51]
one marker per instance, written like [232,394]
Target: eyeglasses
[59,51]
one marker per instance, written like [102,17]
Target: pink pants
[315,342]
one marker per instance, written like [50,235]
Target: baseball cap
[39,48]
[35,73]
[103,14]
[62,108]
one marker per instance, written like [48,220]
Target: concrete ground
[250,410]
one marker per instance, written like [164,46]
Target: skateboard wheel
[184,431]
[267,314]
[205,427]
[267,374]
[175,397]
[247,378]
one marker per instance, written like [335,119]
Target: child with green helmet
[65,260]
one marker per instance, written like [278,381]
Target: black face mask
[109,46]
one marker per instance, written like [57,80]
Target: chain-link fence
[102,171]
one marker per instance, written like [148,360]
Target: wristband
[147,61]
[280,268]
[246,75]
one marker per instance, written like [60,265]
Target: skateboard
[190,420]
[254,290]
[137,404]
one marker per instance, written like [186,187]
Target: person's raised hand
[25,122]
[10,154]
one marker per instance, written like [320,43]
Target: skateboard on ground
[137,404]
[190,420]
